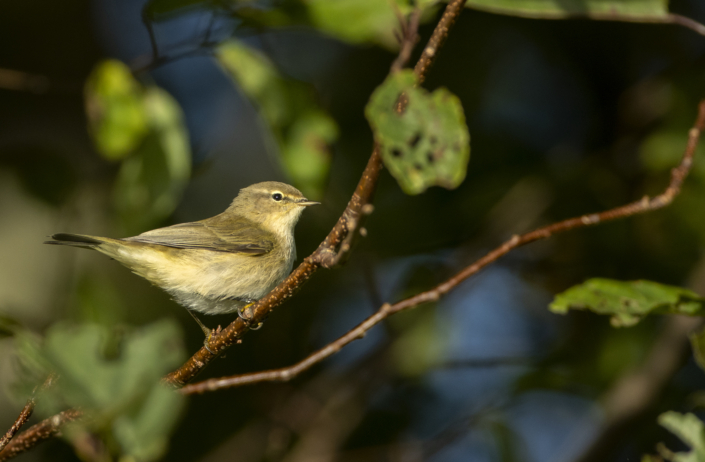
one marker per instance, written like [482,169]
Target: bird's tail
[75,240]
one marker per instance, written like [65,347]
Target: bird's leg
[248,319]
[208,332]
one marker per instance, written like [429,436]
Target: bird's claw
[247,319]
[211,333]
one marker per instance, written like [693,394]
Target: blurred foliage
[116,113]
[628,301]
[143,127]
[302,130]
[119,390]
[637,9]
[362,21]
[688,428]
[425,144]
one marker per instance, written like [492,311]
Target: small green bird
[220,264]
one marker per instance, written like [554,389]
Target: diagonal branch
[646,204]
[336,245]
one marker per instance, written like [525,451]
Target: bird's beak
[306,203]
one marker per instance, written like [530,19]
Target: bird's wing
[242,237]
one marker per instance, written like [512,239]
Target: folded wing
[219,235]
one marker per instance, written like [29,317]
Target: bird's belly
[210,282]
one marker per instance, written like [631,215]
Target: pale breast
[208,281]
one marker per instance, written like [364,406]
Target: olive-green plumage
[219,264]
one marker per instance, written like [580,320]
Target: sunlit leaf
[121,392]
[428,142]
[355,21]
[151,181]
[303,132]
[628,301]
[688,428]
[117,118]
[554,9]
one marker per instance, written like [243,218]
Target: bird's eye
[277,196]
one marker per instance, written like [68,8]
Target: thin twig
[330,251]
[409,37]
[26,412]
[38,433]
[11,79]
[428,56]
[646,204]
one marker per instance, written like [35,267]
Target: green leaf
[628,301]
[121,394]
[117,118]
[362,21]
[688,428]
[143,126]
[560,9]
[144,433]
[428,143]
[302,131]
[151,181]
[355,21]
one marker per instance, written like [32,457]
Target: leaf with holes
[628,301]
[425,142]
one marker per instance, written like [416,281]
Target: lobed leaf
[123,394]
[688,428]
[628,301]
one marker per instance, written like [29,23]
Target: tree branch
[334,247]
[646,204]
[38,433]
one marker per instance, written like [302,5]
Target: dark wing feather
[213,234]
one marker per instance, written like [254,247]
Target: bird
[218,265]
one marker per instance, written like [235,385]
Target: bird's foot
[247,318]
[210,334]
